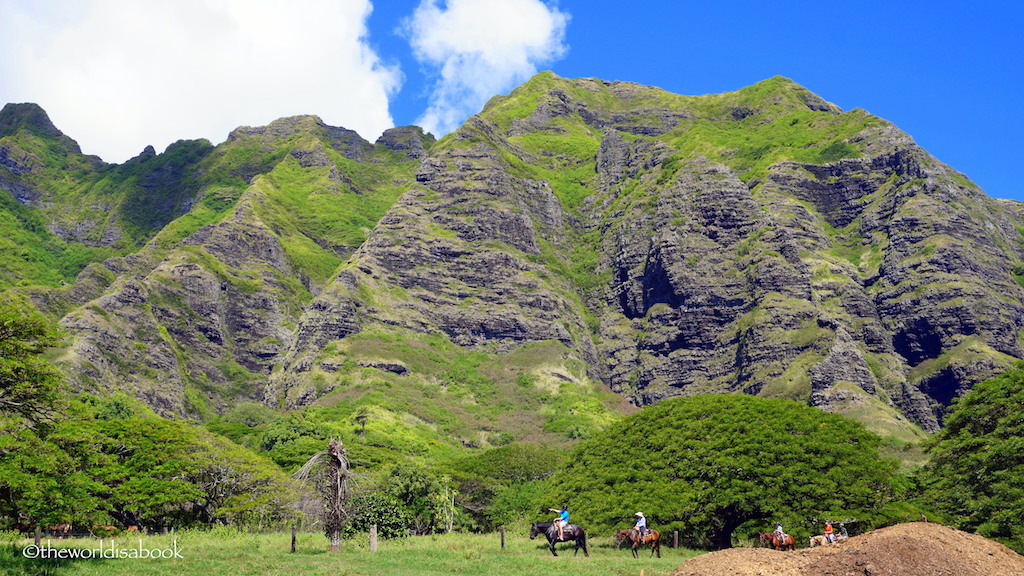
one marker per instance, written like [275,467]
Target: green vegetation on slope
[976,472]
[423,397]
[322,216]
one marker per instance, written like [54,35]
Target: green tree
[504,484]
[705,465]
[426,495]
[362,416]
[159,472]
[136,471]
[292,439]
[44,482]
[30,387]
[976,472]
[392,518]
[513,463]
[39,479]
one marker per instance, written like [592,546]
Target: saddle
[644,536]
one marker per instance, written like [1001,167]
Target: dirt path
[915,549]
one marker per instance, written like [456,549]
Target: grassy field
[237,554]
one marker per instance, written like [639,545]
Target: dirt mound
[915,549]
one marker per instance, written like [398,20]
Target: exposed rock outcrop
[761,241]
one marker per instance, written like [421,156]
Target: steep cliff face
[761,241]
[200,318]
[458,254]
[748,255]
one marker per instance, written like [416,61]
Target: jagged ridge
[760,241]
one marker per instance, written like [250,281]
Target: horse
[786,541]
[652,538]
[819,540]
[571,533]
[61,530]
[102,530]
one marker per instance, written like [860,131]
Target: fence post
[39,535]
[675,538]
[293,537]
[502,536]
[373,537]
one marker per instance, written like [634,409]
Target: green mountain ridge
[575,243]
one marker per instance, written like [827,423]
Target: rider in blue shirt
[562,520]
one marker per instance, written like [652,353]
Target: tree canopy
[705,465]
[29,385]
[90,468]
[977,472]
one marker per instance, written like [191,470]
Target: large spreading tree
[90,461]
[30,387]
[977,468]
[706,465]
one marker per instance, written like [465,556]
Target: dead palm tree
[330,473]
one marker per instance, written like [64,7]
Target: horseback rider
[829,535]
[641,524]
[561,521]
[779,533]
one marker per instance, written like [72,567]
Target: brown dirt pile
[915,549]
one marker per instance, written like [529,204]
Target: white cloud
[118,75]
[481,48]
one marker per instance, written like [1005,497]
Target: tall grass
[226,551]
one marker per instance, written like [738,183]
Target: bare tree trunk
[335,514]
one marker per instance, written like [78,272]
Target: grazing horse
[571,533]
[786,541]
[652,539]
[59,530]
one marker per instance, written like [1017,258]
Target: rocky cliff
[761,241]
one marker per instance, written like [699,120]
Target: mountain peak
[779,90]
[281,128]
[26,116]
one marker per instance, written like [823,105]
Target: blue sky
[117,75]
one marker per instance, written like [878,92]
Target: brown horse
[786,541]
[59,530]
[652,539]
